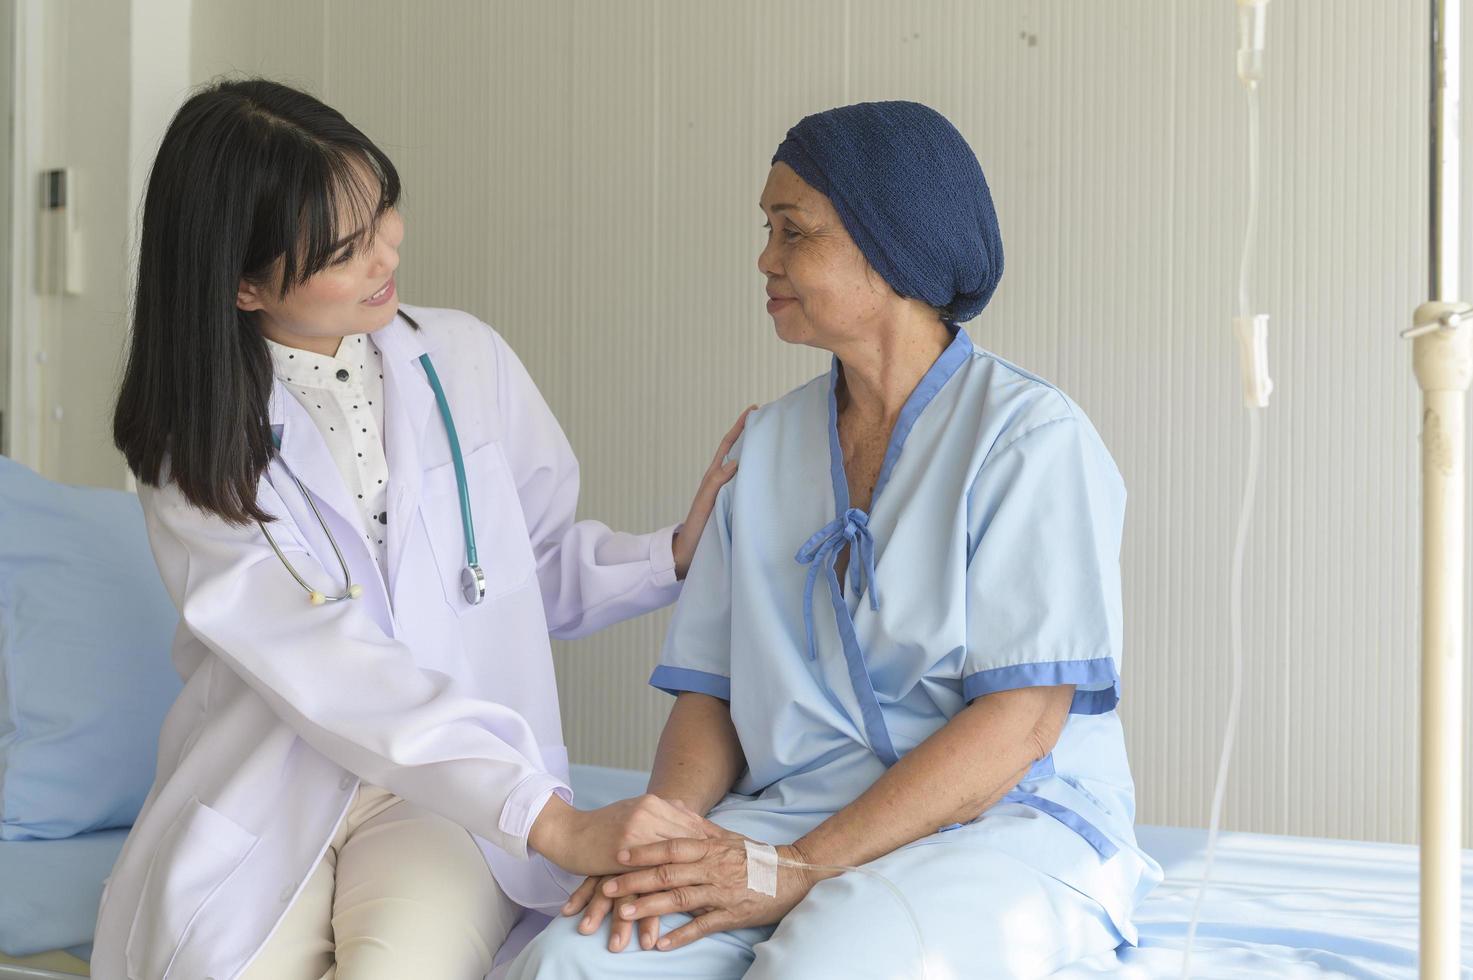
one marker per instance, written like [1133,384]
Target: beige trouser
[400,893]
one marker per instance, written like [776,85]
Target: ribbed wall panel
[585,175]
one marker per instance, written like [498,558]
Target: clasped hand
[590,841]
[705,878]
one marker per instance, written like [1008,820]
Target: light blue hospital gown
[989,561]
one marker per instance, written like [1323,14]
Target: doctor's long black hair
[253,179]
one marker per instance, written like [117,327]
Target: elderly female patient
[899,642]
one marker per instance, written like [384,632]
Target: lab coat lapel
[305,455]
[409,403]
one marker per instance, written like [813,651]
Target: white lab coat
[287,705]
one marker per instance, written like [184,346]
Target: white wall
[584,176]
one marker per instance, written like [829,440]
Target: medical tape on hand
[762,868]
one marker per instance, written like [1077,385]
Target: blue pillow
[85,674]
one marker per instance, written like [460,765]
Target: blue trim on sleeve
[1082,673]
[1095,702]
[673,680]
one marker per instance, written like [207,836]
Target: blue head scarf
[912,196]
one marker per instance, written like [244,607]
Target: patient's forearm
[951,777]
[699,756]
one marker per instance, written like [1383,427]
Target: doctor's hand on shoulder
[718,474]
[589,841]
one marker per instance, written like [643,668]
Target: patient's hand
[588,841]
[589,898]
[706,879]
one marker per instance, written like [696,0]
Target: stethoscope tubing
[473,580]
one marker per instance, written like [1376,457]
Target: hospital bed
[1277,907]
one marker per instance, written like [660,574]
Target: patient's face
[822,291]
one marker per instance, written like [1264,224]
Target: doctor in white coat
[364,775]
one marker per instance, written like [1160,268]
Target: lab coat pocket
[199,851]
[503,548]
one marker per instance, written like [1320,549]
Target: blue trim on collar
[821,553]
[952,358]
[931,382]
[870,711]
[851,526]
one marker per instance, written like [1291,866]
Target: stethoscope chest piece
[473,584]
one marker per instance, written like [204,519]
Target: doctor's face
[821,290]
[355,293]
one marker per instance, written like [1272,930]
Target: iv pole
[1442,355]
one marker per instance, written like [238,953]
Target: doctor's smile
[384,294]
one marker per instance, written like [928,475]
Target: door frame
[21,319]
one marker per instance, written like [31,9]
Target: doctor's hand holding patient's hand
[589,841]
[596,905]
[718,474]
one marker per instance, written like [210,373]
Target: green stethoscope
[472,579]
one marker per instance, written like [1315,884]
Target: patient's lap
[981,913]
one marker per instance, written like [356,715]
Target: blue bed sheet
[1287,907]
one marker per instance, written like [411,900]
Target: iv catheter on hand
[472,579]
